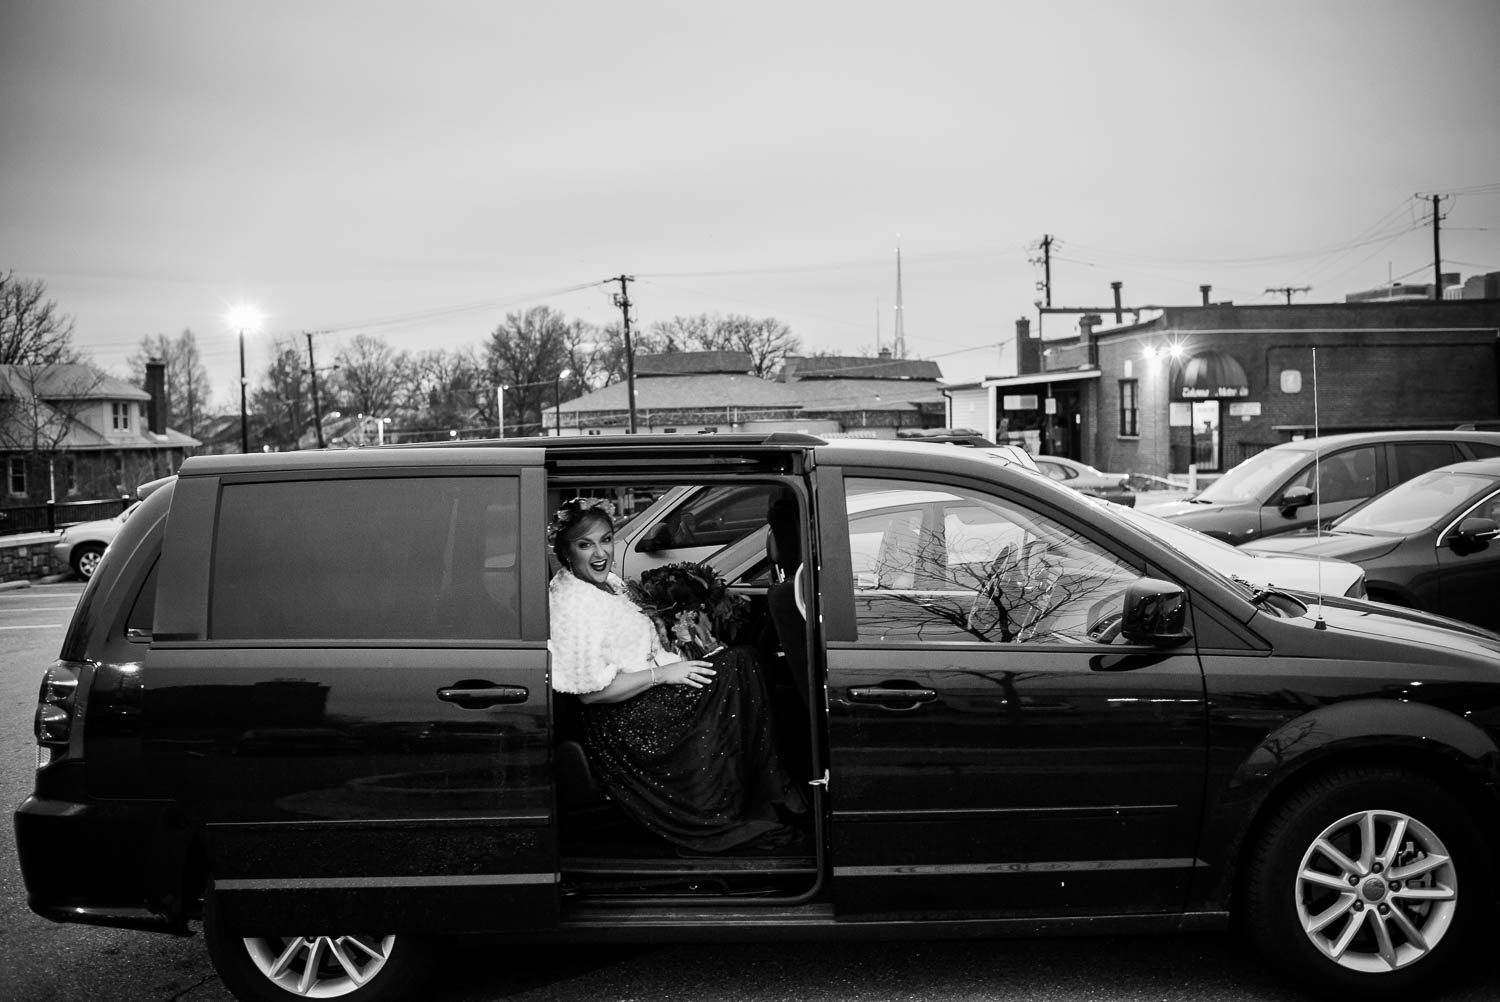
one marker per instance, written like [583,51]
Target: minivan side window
[937,563]
[378,559]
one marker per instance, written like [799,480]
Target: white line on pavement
[33,626]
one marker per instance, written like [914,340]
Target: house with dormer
[70,431]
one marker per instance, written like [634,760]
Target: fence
[55,515]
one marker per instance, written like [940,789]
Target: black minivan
[305,701]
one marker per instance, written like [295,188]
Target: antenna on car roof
[1319,624]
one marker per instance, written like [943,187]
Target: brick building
[1210,385]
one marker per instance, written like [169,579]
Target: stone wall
[23,558]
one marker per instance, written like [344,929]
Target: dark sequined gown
[697,766]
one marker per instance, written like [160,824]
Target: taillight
[1357,589]
[54,712]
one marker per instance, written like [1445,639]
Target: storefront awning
[1210,375]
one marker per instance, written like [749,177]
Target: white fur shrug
[596,635]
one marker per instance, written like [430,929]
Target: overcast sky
[341,165]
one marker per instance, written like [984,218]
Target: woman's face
[591,553]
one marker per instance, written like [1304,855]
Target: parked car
[1274,491]
[1429,543]
[330,738]
[1153,492]
[1086,480]
[1313,575]
[82,546]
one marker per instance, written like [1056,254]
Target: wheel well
[1477,796]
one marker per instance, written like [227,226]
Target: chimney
[1028,348]
[1205,289]
[1086,325]
[156,385]
[1119,317]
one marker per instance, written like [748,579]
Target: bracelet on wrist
[653,673]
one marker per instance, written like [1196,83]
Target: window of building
[120,416]
[419,558]
[16,475]
[937,563]
[1129,408]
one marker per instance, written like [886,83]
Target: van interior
[753,533]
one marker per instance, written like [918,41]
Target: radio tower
[899,337]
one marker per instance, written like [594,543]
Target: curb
[14,585]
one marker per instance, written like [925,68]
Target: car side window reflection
[1343,476]
[933,563]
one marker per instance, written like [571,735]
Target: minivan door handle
[476,695]
[891,695]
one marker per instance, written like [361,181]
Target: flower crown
[572,511]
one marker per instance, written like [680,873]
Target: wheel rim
[88,562]
[1376,891]
[320,967]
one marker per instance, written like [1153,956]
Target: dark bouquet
[692,606]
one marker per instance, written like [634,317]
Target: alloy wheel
[1376,891]
[320,967]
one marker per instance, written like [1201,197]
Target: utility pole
[1045,285]
[1287,290]
[1437,252]
[622,300]
[312,371]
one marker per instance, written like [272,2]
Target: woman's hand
[694,673]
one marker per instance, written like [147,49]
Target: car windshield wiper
[1260,594]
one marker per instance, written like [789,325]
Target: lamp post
[557,401]
[242,318]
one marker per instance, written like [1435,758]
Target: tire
[1369,882]
[356,968]
[86,560]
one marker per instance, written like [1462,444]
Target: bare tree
[372,378]
[281,409]
[449,391]
[188,387]
[33,331]
[766,340]
[525,354]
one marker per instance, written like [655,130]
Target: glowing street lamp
[242,318]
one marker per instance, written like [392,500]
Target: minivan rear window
[379,559]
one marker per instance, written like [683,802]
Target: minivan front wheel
[1371,881]
[357,968]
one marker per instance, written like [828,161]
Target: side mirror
[1294,498]
[655,539]
[1155,613]
[1473,535]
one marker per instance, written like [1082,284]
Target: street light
[557,401]
[242,318]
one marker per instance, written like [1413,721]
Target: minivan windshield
[1416,504]
[1254,478]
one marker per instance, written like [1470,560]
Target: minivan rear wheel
[353,967]
[1369,883]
